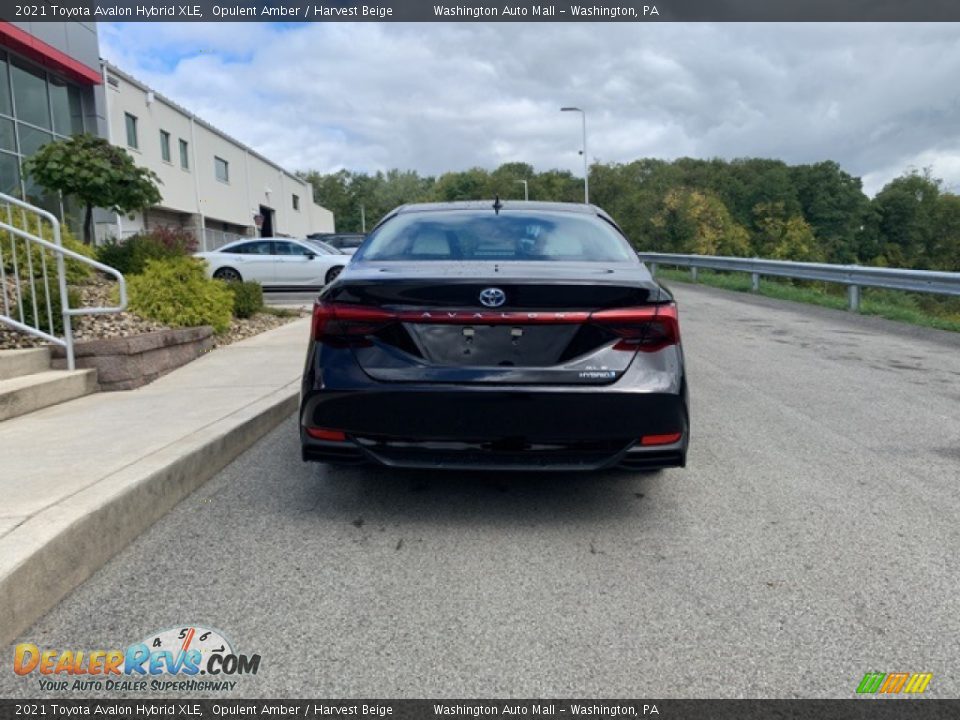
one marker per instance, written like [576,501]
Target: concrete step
[14,363]
[24,394]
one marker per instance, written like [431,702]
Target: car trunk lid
[517,323]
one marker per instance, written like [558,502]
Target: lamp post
[526,189]
[586,166]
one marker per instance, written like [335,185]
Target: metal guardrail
[853,276]
[25,276]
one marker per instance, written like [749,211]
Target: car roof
[266,239]
[535,205]
[504,205]
[242,241]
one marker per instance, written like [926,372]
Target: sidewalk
[80,480]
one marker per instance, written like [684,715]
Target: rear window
[484,235]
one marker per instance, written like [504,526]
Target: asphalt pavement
[291,298]
[812,538]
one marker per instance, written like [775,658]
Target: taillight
[647,329]
[333,322]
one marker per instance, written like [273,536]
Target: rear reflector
[668,439]
[326,434]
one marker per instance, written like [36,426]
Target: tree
[465,185]
[698,222]
[333,192]
[96,172]
[905,220]
[946,255]
[781,236]
[834,205]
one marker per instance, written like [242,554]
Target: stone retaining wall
[129,362]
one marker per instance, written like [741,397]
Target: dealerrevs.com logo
[189,659]
[893,683]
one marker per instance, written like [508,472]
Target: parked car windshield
[485,235]
[329,249]
[347,242]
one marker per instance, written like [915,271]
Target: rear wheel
[333,272]
[227,274]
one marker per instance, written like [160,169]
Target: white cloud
[435,97]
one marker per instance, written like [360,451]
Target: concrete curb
[45,558]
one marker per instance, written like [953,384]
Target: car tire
[227,274]
[332,273]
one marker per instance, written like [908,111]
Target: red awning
[22,42]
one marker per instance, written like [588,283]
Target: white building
[212,185]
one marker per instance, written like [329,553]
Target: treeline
[745,207]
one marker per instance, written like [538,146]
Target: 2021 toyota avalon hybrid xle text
[495,335]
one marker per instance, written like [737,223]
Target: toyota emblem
[492,297]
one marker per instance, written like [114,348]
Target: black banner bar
[482,11]
[352,709]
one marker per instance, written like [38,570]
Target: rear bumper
[484,428]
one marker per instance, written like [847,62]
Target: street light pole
[586,164]
[526,189]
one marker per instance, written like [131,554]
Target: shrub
[41,320]
[176,291]
[130,256]
[76,271]
[247,298]
[176,240]
[113,253]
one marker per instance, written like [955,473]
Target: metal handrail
[60,253]
[853,276]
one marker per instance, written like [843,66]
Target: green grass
[900,306]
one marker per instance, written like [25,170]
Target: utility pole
[526,189]
[586,163]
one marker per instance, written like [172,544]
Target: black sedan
[495,335]
[346,243]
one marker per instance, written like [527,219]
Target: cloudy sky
[877,98]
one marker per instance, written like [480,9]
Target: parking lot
[811,539]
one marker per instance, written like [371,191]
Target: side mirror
[310,255]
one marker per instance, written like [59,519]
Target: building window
[32,139]
[8,136]
[222,168]
[296,202]
[36,107]
[9,174]
[66,105]
[6,104]
[131,121]
[30,94]
[184,154]
[165,145]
